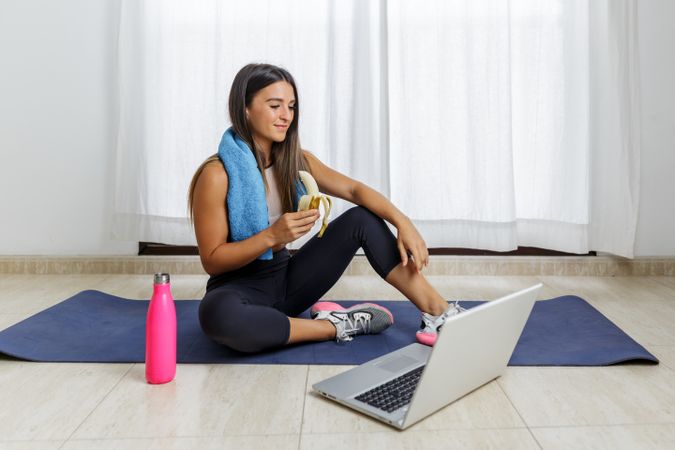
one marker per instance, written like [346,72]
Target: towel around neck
[246,202]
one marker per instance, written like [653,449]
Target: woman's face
[271,112]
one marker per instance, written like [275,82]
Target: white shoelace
[431,323]
[454,308]
[347,326]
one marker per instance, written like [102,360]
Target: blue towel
[246,203]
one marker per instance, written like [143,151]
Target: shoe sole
[426,338]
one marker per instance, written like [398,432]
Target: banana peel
[313,199]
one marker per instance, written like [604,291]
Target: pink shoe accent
[324,306]
[426,338]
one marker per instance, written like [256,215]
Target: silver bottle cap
[161,278]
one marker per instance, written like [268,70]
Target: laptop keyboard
[393,394]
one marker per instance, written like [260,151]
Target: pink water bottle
[160,333]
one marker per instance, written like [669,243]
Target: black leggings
[247,309]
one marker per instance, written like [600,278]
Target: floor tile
[668,282]
[628,437]
[564,396]
[29,294]
[519,438]
[202,400]
[183,287]
[485,287]
[665,354]
[49,400]
[31,445]
[7,320]
[281,442]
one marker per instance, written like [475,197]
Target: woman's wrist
[401,220]
[269,238]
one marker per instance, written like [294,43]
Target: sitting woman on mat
[243,202]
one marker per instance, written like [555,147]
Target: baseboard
[438,265]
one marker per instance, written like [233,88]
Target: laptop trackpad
[397,364]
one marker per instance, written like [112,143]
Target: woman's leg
[416,287]
[317,266]
[302,330]
[242,319]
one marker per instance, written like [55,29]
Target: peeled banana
[314,198]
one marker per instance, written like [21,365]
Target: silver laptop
[404,386]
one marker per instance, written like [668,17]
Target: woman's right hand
[291,226]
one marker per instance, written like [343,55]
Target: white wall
[58,120]
[57,127]
[656,222]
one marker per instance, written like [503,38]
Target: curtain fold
[490,124]
[615,124]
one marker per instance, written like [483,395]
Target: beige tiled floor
[78,406]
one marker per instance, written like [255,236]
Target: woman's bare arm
[334,183]
[211,226]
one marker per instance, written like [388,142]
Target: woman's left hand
[410,240]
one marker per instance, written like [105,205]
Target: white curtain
[490,124]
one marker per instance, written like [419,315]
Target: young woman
[252,302]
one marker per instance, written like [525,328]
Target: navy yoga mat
[93,326]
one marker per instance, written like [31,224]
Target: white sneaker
[431,325]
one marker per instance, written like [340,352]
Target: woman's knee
[377,240]
[240,341]
[361,214]
[367,223]
[219,316]
[226,319]
[213,309]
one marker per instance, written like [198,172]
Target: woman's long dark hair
[287,155]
